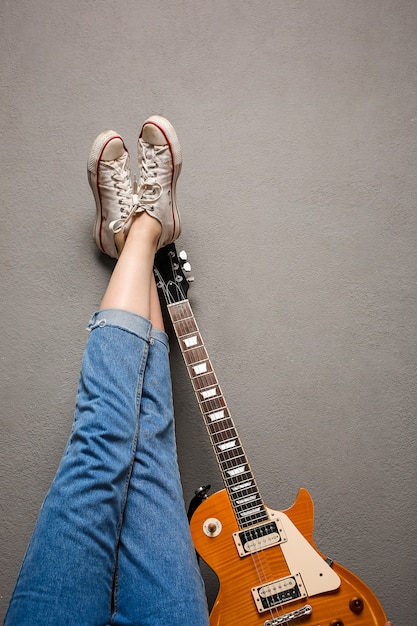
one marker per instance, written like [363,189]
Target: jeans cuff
[160,335]
[126,320]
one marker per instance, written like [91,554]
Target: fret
[203,367]
[189,341]
[226,438]
[235,471]
[232,475]
[226,445]
[234,484]
[254,509]
[221,434]
[234,478]
[227,463]
[185,326]
[220,423]
[186,329]
[207,406]
[194,355]
[203,381]
[246,499]
[244,504]
[232,462]
[208,393]
[245,495]
[230,449]
[216,415]
[218,402]
[255,513]
[232,454]
[242,486]
[234,467]
[242,475]
[180,310]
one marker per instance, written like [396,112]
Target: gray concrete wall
[298,125]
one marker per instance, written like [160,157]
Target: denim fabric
[111,545]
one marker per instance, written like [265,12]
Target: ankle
[145,227]
[119,240]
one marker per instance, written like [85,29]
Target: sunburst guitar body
[244,578]
[269,570]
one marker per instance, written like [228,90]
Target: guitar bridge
[278,592]
[288,617]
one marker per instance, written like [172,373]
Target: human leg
[67,574]
[158,580]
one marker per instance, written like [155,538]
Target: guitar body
[352,603]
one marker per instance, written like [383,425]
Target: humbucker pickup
[258,538]
[278,592]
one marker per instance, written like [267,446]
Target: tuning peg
[183,255]
[190,279]
[186,267]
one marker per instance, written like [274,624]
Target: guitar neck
[235,469]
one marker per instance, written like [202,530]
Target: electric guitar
[269,570]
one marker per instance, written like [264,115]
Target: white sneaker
[109,176]
[160,160]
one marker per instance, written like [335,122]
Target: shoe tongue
[151,151]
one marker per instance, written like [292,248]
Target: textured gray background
[298,125]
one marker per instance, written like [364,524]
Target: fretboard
[235,469]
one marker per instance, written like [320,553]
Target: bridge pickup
[278,592]
[288,617]
[258,538]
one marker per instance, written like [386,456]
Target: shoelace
[141,199]
[127,198]
[150,190]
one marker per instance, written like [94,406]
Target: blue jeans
[112,545]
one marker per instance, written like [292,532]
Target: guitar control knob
[356,605]
[336,622]
[212,527]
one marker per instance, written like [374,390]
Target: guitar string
[189,324]
[190,327]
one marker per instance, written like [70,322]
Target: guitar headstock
[169,268]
